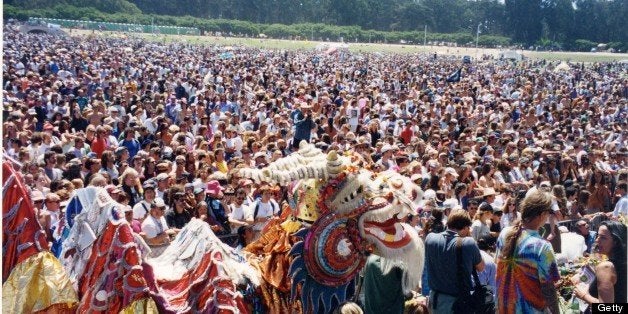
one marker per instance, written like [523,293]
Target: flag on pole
[454,77]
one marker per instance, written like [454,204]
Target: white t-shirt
[555,209]
[153,226]
[235,143]
[238,213]
[621,208]
[478,230]
[265,210]
[353,115]
[141,209]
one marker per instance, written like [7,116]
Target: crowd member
[264,208]
[526,266]
[583,229]
[141,209]
[239,211]
[488,275]
[609,285]
[621,207]
[442,266]
[135,224]
[155,228]
[383,292]
[480,227]
[510,213]
[216,214]
[245,236]
[179,214]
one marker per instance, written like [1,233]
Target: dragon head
[357,210]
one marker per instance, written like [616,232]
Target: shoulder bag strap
[460,268]
[477,283]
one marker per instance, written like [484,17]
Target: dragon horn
[334,164]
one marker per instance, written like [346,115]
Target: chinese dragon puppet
[197,273]
[343,210]
[103,266]
[33,280]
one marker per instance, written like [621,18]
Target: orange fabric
[274,247]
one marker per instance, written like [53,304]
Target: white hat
[161,176]
[386,148]
[451,171]
[416,176]
[158,202]
[488,192]
[259,154]
[429,194]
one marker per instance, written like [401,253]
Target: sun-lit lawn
[577,56]
[364,47]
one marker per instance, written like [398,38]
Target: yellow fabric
[36,284]
[222,166]
[291,226]
[142,306]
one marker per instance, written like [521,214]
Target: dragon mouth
[390,232]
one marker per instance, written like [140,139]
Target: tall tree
[524,20]
[558,16]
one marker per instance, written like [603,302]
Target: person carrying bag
[481,300]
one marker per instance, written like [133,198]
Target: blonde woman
[130,184]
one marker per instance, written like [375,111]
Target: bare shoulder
[605,265]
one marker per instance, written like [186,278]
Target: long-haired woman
[609,285]
[526,266]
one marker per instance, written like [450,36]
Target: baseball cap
[158,202]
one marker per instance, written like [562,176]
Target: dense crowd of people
[166,127]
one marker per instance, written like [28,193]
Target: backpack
[257,208]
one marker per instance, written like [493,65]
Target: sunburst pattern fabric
[520,277]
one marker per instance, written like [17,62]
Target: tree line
[565,24]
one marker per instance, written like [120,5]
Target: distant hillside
[566,24]
[107,6]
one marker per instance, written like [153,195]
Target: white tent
[333,46]
[562,67]
[511,55]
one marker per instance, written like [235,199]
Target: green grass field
[364,47]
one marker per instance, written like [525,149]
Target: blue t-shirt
[133,146]
[440,258]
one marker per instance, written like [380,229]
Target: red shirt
[406,135]
[98,146]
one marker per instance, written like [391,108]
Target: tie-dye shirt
[519,278]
